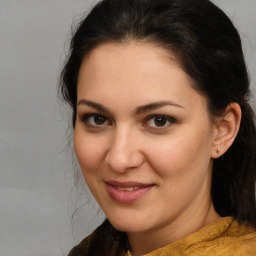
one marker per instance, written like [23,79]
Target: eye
[95,120]
[159,121]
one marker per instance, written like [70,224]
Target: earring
[217,150]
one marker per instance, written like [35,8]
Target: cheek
[181,155]
[167,159]
[88,152]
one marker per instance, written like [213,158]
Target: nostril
[121,161]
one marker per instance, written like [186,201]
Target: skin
[127,145]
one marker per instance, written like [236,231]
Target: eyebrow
[138,110]
[156,105]
[94,105]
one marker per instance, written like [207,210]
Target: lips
[127,192]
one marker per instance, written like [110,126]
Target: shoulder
[103,241]
[240,229]
[240,237]
[226,237]
[82,248]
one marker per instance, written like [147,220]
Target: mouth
[127,189]
[127,192]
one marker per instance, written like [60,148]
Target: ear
[225,129]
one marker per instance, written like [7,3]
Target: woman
[163,131]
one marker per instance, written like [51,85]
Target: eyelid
[161,115]
[171,120]
[85,117]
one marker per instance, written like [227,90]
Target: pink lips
[127,192]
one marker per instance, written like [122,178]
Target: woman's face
[143,138]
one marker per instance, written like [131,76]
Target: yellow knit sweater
[224,237]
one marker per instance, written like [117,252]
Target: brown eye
[95,120]
[160,121]
[99,120]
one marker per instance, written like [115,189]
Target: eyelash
[167,119]
[85,118]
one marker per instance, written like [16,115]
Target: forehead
[128,53]
[127,60]
[142,71]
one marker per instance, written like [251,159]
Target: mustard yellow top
[224,237]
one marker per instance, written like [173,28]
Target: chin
[128,226]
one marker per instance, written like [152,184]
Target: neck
[184,225]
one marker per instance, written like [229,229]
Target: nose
[125,151]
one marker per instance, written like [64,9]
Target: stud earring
[218,150]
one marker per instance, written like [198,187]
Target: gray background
[37,198]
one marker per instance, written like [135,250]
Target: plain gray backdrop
[36,175]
